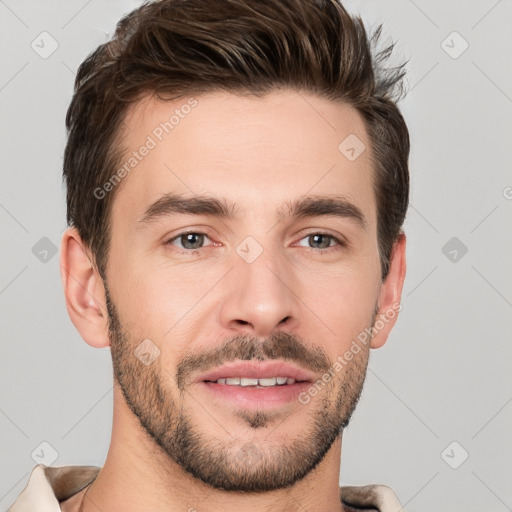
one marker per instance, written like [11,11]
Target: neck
[138,475]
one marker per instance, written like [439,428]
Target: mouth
[247,382]
[259,374]
[251,385]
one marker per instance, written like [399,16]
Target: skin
[291,301]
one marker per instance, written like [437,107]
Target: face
[274,272]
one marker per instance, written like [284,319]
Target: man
[237,179]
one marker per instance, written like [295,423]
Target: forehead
[256,151]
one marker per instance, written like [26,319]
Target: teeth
[248,382]
[271,381]
[266,382]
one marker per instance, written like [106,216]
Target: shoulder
[47,486]
[380,498]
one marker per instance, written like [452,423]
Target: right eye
[190,240]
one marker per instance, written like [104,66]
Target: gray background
[444,375]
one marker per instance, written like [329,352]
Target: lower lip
[257,398]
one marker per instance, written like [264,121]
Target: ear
[83,289]
[390,295]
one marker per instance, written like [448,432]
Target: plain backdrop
[434,421]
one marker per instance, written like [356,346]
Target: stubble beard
[233,463]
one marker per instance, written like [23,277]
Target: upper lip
[257,370]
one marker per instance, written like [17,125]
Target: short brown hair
[174,47]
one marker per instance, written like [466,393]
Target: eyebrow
[310,206]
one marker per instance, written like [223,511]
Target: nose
[261,296]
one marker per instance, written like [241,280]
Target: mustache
[280,345]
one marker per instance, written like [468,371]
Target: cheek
[161,301]
[139,297]
[344,301]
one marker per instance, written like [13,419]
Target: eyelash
[340,243]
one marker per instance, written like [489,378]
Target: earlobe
[390,294]
[83,290]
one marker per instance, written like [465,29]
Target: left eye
[323,239]
[189,241]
